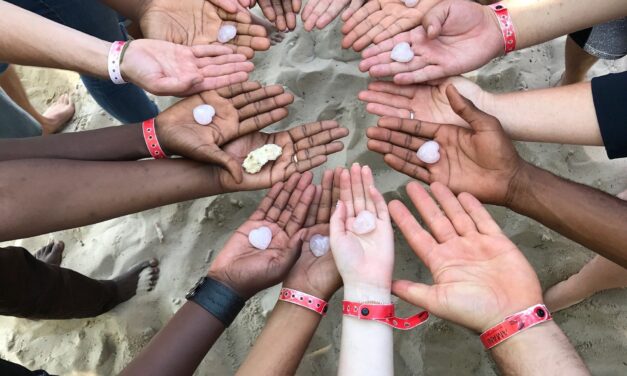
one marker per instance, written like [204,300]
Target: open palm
[468,39]
[479,275]
[310,143]
[247,269]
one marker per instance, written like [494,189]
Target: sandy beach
[185,237]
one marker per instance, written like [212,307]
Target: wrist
[362,293]
[495,33]
[504,313]
[162,136]
[520,187]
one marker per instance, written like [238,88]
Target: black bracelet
[217,299]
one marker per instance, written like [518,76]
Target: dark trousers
[32,289]
[12,369]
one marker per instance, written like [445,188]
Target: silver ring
[295,158]
[411,115]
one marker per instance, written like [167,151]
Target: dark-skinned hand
[281,12]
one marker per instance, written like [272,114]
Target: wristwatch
[217,299]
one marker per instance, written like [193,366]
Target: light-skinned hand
[196,22]
[479,276]
[379,20]
[364,261]
[248,270]
[318,276]
[428,102]
[310,143]
[480,160]
[240,110]
[462,36]
[320,13]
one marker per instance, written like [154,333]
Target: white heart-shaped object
[410,3]
[364,223]
[319,245]
[226,33]
[203,114]
[429,152]
[260,238]
[402,53]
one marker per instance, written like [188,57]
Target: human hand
[248,270]
[164,68]
[196,22]
[281,12]
[428,102]
[320,13]
[379,20]
[462,36]
[479,276]
[481,160]
[240,110]
[318,276]
[366,261]
[309,143]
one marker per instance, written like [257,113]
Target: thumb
[478,120]
[294,247]
[338,220]
[214,154]
[434,19]
[414,293]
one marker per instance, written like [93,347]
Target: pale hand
[320,13]
[248,270]
[481,160]
[479,276]
[364,261]
[463,36]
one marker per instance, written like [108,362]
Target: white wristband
[114,60]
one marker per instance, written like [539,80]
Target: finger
[252,96]
[303,183]
[309,7]
[420,241]
[265,105]
[297,218]
[346,193]
[478,120]
[403,140]
[310,135]
[332,11]
[391,88]
[379,203]
[337,225]
[324,149]
[246,51]
[387,67]
[384,98]
[461,221]
[281,24]
[282,198]
[290,17]
[261,121]
[409,169]
[267,9]
[210,71]
[226,5]
[213,83]
[395,26]
[237,89]
[209,50]
[358,34]
[483,220]
[368,181]
[317,10]
[414,127]
[312,163]
[441,227]
[254,43]
[336,187]
[357,186]
[294,247]
[388,111]
[267,202]
[352,9]
[326,199]
[379,48]
[252,30]
[314,208]
[428,73]
[213,154]
[296,4]
[434,19]
[241,17]
[219,60]
[418,294]
[382,22]
[386,148]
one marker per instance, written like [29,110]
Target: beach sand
[187,236]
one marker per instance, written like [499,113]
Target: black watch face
[192,292]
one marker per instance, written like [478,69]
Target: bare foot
[52,253]
[57,116]
[142,275]
[274,34]
[597,275]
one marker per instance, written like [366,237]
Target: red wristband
[150,137]
[515,323]
[304,300]
[383,313]
[507,26]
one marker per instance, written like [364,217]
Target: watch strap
[217,299]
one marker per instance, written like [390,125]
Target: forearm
[283,341]
[542,349]
[49,44]
[538,21]
[564,115]
[367,346]
[180,346]
[586,215]
[124,143]
[45,195]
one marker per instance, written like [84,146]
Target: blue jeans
[127,103]
[14,121]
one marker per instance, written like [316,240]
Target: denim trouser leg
[127,103]
[15,122]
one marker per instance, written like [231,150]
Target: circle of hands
[479,276]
